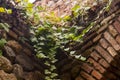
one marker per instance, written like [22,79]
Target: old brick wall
[101,47]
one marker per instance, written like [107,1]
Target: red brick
[86,67]
[104,63]
[104,43]
[96,74]
[104,54]
[88,44]
[112,31]
[95,56]
[112,41]
[96,65]
[97,38]
[102,28]
[118,39]
[12,34]
[112,51]
[86,76]
[117,26]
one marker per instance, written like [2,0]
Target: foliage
[49,36]
[4,26]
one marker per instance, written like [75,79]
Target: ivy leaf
[83,58]
[2,42]
[40,55]
[66,49]
[5,26]
[76,8]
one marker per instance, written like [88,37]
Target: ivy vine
[49,36]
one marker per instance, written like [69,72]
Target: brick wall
[101,47]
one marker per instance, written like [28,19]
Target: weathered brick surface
[104,43]
[112,51]
[104,63]
[112,41]
[112,30]
[117,26]
[86,76]
[95,56]
[104,54]
[118,39]
[87,67]
[96,74]
[96,65]
[97,38]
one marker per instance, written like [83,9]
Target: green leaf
[2,42]
[40,55]
[83,58]
[76,8]
[5,26]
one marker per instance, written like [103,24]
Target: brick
[96,74]
[104,43]
[112,41]
[104,63]
[96,65]
[86,67]
[104,54]
[86,76]
[27,51]
[112,51]
[112,30]
[13,34]
[97,38]
[117,26]
[118,39]
[95,55]
[87,45]
[102,29]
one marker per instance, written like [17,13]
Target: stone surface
[9,53]
[18,71]
[25,62]
[5,64]
[12,34]
[15,45]
[33,76]
[75,71]
[6,76]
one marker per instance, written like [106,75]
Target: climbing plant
[49,35]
